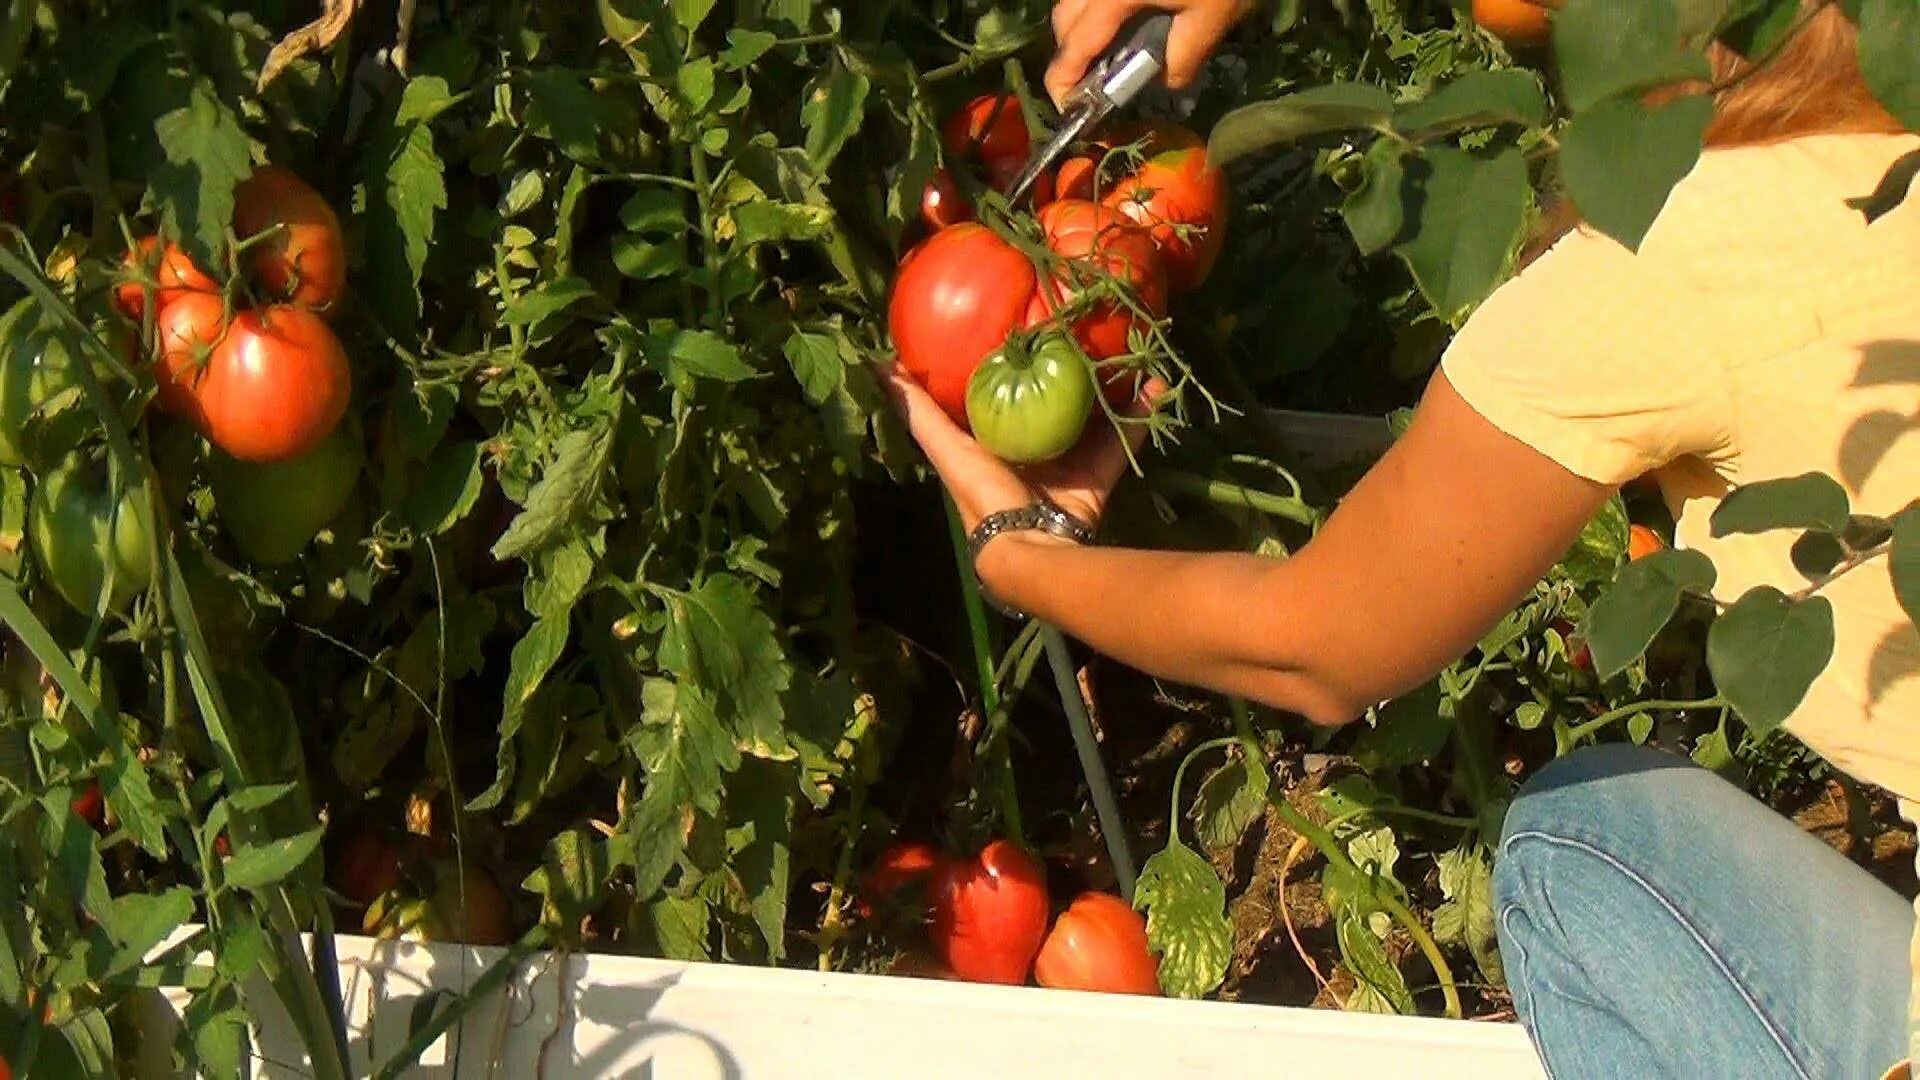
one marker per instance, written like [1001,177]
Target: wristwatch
[1042,515]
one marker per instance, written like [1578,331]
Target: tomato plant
[89,541]
[90,806]
[1179,198]
[165,269]
[990,913]
[274,387]
[1029,403]
[300,256]
[1099,943]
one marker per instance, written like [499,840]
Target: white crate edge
[630,1016]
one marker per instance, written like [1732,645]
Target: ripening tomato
[990,914]
[305,261]
[1029,403]
[172,270]
[82,536]
[1078,177]
[902,867]
[1098,242]
[274,510]
[1098,943]
[470,907]
[90,805]
[275,386]
[956,299]
[366,866]
[1642,542]
[1179,198]
[188,329]
[1516,22]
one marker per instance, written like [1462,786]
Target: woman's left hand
[1079,482]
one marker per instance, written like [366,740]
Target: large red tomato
[956,299]
[1100,944]
[988,129]
[903,867]
[990,914]
[305,262]
[1180,198]
[1098,240]
[174,275]
[189,328]
[275,386]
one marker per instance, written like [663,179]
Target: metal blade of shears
[1071,129]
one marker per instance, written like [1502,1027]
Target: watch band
[1042,515]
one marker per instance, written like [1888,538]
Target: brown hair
[1811,86]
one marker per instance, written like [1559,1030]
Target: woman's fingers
[1090,31]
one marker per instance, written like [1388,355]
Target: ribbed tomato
[956,299]
[1098,241]
[305,261]
[276,385]
[990,914]
[173,272]
[1179,198]
[1098,943]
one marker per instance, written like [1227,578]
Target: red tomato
[956,299]
[222,846]
[305,262]
[91,806]
[905,865]
[1180,199]
[990,914]
[1099,943]
[943,203]
[988,129]
[367,866]
[189,329]
[1078,177]
[174,275]
[1099,240]
[276,386]
[1578,654]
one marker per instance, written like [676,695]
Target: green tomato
[273,511]
[1030,404]
[77,532]
[36,366]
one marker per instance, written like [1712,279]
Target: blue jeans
[1657,921]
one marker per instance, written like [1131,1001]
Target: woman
[1655,920]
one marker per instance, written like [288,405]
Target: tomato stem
[1113,827]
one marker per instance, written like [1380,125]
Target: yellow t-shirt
[1764,330]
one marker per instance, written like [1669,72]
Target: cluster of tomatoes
[987,918]
[1015,330]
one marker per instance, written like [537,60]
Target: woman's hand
[1082,30]
[1078,482]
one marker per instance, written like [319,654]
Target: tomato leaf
[260,866]
[546,299]
[1810,501]
[744,47]
[1597,551]
[685,754]
[1756,27]
[1472,214]
[564,110]
[206,157]
[1765,652]
[1410,729]
[1892,190]
[1620,48]
[449,485]
[1286,120]
[406,187]
[1622,159]
[815,359]
[697,354]
[1229,801]
[1903,562]
[1889,41]
[573,874]
[563,493]
[139,921]
[1382,988]
[1187,925]
[533,657]
[1475,100]
[682,926]
[644,260]
[760,806]
[834,105]
[1376,211]
[718,637]
[1623,622]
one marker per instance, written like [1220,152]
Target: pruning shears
[1136,59]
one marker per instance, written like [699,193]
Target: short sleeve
[1603,360]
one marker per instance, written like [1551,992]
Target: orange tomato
[1516,22]
[305,262]
[1099,944]
[1642,542]
[174,275]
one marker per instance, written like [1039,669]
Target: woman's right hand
[1082,30]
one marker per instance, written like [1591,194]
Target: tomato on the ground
[1098,943]
[173,273]
[1098,243]
[1179,198]
[272,511]
[1030,403]
[275,386]
[990,914]
[954,302]
[305,261]
[81,536]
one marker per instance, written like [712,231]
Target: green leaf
[682,927]
[1622,159]
[258,797]
[744,47]
[1620,48]
[573,874]
[260,866]
[1597,551]
[1760,30]
[1475,100]
[815,359]
[1903,562]
[644,260]
[760,807]
[1889,42]
[655,211]
[406,187]
[1376,211]
[1366,956]
[562,494]
[1892,190]
[533,658]
[719,638]
[548,298]
[834,104]
[1810,501]
[691,13]
[450,483]
[685,755]
[763,221]
[139,921]
[1229,801]
[1286,120]
[1411,729]
[1473,213]
[564,110]
[1187,924]
[129,791]
[1765,652]
[697,354]
[1623,622]
[207,156]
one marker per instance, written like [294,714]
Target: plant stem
[981,638]
[1607,719]
[1227,493]
[489,981]
[1113,827]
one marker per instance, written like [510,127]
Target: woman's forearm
[1213,620]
